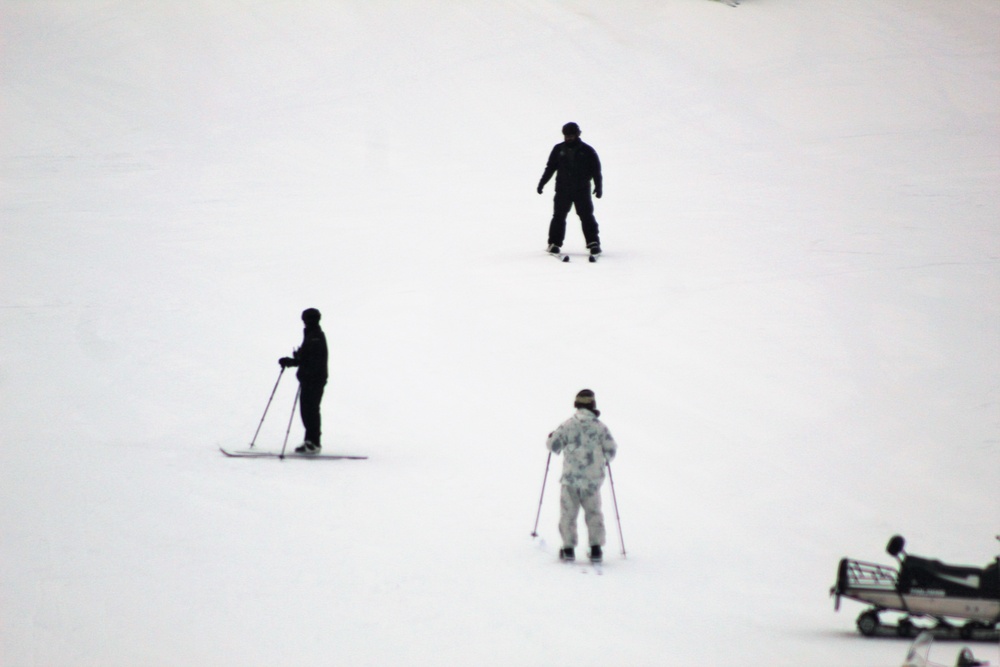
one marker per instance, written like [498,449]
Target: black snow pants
[310,396]
[562,204]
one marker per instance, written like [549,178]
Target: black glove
[598,192]
[541,186]
[285,362]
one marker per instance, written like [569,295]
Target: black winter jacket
[577,164]
[311,358]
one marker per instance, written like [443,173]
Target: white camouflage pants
[570,501]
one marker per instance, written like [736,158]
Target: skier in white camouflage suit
[587,447]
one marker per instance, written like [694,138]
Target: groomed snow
[794,336]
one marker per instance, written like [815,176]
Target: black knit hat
[310,315]
[571,128]
[585,399]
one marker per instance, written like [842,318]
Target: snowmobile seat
[933,575]
[990,588]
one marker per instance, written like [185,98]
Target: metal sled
[921,588]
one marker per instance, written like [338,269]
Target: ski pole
[290,418]
[534,533]
[617,517]
[266,407]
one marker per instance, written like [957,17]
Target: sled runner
[922,588]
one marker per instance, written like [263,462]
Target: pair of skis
[585,567]
[564,257]
[261,454]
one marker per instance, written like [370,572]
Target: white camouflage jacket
[587,446]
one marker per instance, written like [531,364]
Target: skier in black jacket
[575,164]
[311,360]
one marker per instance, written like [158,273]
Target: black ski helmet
[311,315]
[571,129]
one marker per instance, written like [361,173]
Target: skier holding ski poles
[587,448]
[311,360]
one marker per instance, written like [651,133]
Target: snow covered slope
[794,335]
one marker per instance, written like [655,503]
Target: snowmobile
[922,588]
[919,654]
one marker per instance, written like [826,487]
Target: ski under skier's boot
[308,448]
[567,554]
[596,556]
[557,252]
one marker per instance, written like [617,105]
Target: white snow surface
[794,335]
